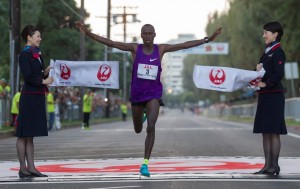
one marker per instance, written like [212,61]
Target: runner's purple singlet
[145,82]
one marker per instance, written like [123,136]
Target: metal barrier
[71,112]
[292,110]
[1,116]
[4,111]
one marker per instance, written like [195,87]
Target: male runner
[146,88]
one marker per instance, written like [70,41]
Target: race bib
[147,71]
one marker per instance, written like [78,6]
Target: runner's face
[269,37]
[148,34]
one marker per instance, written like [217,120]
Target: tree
[4,40]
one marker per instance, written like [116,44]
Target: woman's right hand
[259,67]
[48,81]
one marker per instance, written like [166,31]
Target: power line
[72,10]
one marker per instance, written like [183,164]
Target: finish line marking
[122,168]
[151,180]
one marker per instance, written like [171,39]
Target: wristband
[206,40]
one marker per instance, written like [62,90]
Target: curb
[154,177]
[6,134]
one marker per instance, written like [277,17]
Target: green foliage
[30,9]
[56,23]
[4,40]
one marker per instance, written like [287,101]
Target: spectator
[87,109]
[4,88]
[50,109]
[124,110]
[2,84]
[15,108]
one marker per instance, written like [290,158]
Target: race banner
[100,74]
[216,48]
[225,79]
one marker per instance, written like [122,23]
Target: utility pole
[124,21]
[124,55]
[82,49]
[82,36]
[108,56]
[15,12]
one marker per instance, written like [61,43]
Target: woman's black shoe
[259,172]
[38,174]
[272,172]
[25,175]
[262,171]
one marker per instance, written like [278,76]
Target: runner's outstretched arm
[108,42]
[189,44]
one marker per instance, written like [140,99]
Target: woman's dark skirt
[269,116]
[32,119]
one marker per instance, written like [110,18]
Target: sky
[169,17]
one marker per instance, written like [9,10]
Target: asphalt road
[180,137]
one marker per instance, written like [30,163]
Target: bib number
[146,71]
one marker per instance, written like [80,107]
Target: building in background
[172,65]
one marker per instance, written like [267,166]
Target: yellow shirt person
[124,111]
[50,109]
[87,103]
[87,109]
[50,102]
[15,108]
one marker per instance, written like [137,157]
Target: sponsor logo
[217,76]
[65,72]
[220,48]
[104,72]
[151,60]
[147,66]
[208,48]
[255,81]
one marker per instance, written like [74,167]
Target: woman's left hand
[261,84]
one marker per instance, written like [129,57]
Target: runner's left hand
[215,34]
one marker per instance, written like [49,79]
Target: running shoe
[144,117]
[144,170]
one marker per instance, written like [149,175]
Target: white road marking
[246,125]
[293,135]
[118,187]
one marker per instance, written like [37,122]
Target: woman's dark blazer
[32,70]
[273,62]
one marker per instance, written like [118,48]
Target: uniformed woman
[269,118]
[32,121]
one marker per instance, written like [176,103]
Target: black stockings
[272,145]
[25,150]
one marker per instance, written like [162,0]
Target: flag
[100,74]
[224,78]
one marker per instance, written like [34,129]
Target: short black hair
[28,30]
[274,27]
